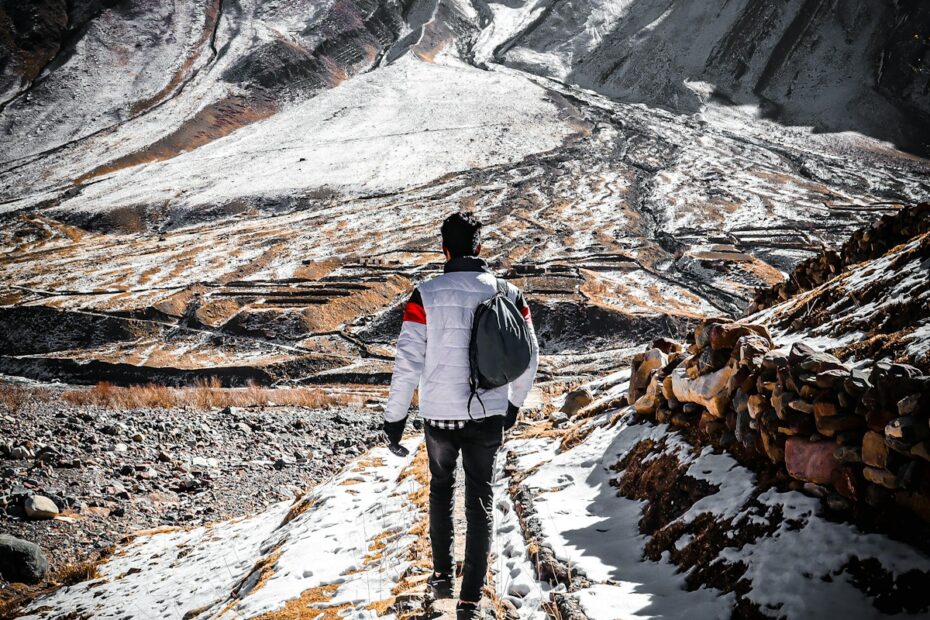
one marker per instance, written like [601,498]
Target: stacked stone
[865,244]
[846,434]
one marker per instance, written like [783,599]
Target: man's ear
[478,250]
[448,254]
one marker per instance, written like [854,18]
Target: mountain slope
[259,210]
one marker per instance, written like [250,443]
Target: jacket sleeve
[409,359]
[520,388]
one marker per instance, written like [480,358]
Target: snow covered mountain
[248,189]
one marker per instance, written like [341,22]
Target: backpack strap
[502,287]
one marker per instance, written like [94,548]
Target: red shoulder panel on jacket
[414,313]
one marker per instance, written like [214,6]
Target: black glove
[511,418]
[394,432]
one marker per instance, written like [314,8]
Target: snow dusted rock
[21,560]
[40,507]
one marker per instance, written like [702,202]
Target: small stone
[848,454]
[909,405]
[21,453]
[576,400]
[857,383]
[558,418]
[878,419]
[829,379]
[815,490]
[164,457]
[757,405]
[874,450]
[908,429]
[847,482]
[837,503]
[825,409]
[831,425]
[40,507]
[280,464]
[801,405]
[120,448]
[774,447]
[922,450]
[21,561]
[138,437]
[881,477]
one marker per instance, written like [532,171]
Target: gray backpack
[500,348]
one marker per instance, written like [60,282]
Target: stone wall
[865,244]
[852,436]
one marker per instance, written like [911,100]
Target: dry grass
[12,397]
[17,596]
[300,608]
[206,394]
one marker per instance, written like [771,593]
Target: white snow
[386,130]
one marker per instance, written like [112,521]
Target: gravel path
[115,472]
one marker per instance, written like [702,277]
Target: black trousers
[478,443]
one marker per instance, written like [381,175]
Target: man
[432,353]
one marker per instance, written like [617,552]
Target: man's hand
[511,418]
[393,433]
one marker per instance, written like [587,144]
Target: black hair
[461,234]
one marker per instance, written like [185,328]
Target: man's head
[461,235]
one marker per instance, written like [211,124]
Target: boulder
[21,561]
[724,336]
[811,461]
[576,400]
[40,507]
[708,391]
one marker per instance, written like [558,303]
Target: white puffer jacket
[432,350]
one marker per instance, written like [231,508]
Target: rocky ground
[111,473]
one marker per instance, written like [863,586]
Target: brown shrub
[12,397]
[206,394]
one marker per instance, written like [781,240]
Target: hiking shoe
[441,585]
[468,611]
